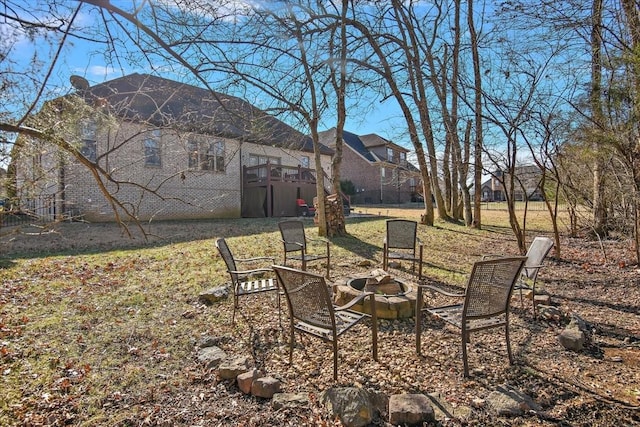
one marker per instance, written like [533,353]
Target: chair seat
[344,320]
[307,257]
[453,314]
[255,286]
[402,255]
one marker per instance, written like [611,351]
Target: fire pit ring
[385,289]
[395,298]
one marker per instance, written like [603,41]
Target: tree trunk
[599,208]
[477,175]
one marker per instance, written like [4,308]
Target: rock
[213,295]
[541,299]
[265,387]
[507,401]
[209,341]
[211,356]
[550,313]
[245,380]
[230,368]
[290,400]
[411,409]
[578,322]
[350,404]
[572,339]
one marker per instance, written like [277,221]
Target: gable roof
[373,140]
[167,103]
[354,141]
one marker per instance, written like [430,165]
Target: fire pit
[395,299]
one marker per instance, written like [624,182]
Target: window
[88,137]
[304,161]
[257,159]
[403,158]
[152,149]
[206,155]
[390,155]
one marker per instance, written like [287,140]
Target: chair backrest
[401,233]
[490,285]
[227,256]
[537,252]
[307,296]
[292,232]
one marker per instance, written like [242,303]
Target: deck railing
[267,173]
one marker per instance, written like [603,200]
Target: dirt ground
[597,386]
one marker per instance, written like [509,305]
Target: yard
[100,329]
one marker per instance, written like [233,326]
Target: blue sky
[83,58]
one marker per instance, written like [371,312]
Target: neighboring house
[526,176]
[204,154]
[377,167]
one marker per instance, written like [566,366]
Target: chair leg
[328,263]
[291,343]
[374,327]
[235,306]
[418,319]
[506,334]
[533,299]
[385,257]
[465,340]
[420,266]
[335,359]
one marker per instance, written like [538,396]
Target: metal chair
[537,252]
[295,240]
[402,238]
[246,282]
[311,310]
[486,302]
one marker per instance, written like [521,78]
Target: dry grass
[99,330]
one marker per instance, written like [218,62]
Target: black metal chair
[247,282]
[401,243]
[311,310]
[486,302]
[295,240]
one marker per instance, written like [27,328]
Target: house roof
[373,140]
[362,145]
[168,103]
[354,141]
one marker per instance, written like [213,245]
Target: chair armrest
[260,258]
[256,270]
[292,243]
[526,267]
[354,301]
[318,239]
[441,291]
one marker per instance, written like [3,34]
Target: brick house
[203,154]
[377,167]
[527,178]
